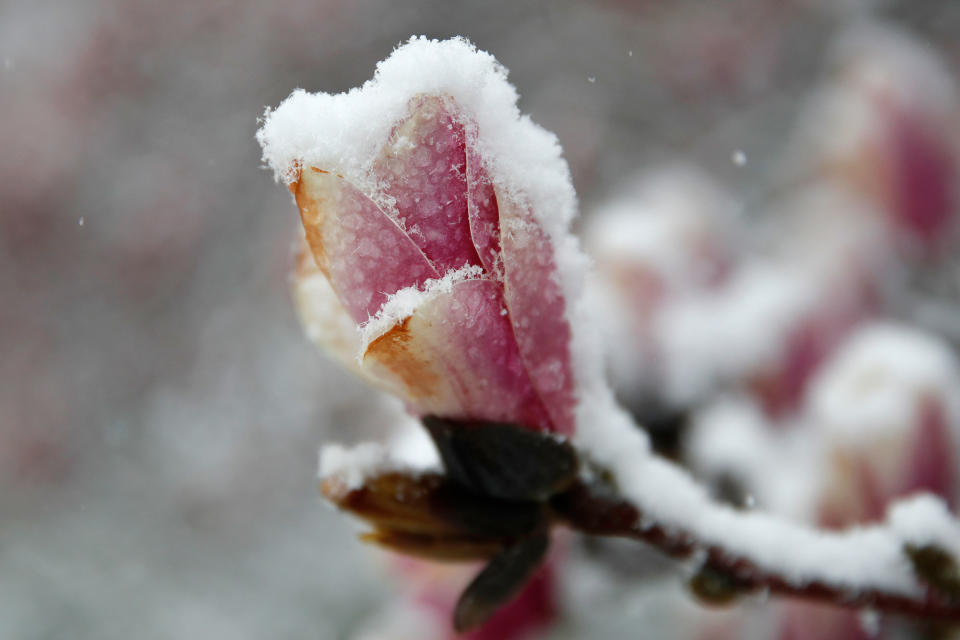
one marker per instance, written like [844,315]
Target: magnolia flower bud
[450,281]
[427,266]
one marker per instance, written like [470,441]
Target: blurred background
[769,190]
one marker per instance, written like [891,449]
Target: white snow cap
[345,131]
[734,330]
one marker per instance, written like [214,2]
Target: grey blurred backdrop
[160,410]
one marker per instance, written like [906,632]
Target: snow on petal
[404,302]
[363,253]
[423,170]
[537,310]
[456,356]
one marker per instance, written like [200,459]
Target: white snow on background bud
[876,383]
[876,66]
[809,271]
[732,331]
[662,222]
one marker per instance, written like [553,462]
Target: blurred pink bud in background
[890,422]
[669,235]
[886,126]
[890,427]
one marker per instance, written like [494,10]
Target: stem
[597,510]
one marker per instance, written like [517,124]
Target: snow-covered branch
[484,504]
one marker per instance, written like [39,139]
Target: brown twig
[597,510]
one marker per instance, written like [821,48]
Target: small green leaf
[499,582]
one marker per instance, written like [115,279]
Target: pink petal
[483,213]
[537,310]
[423,168]
[808,621]
[872,499]
[456,357]
[932,463]
[924,180]
[363,253]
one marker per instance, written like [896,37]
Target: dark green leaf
[935,566]
[486,516]
[499,582]
[715,587]
[503,460]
